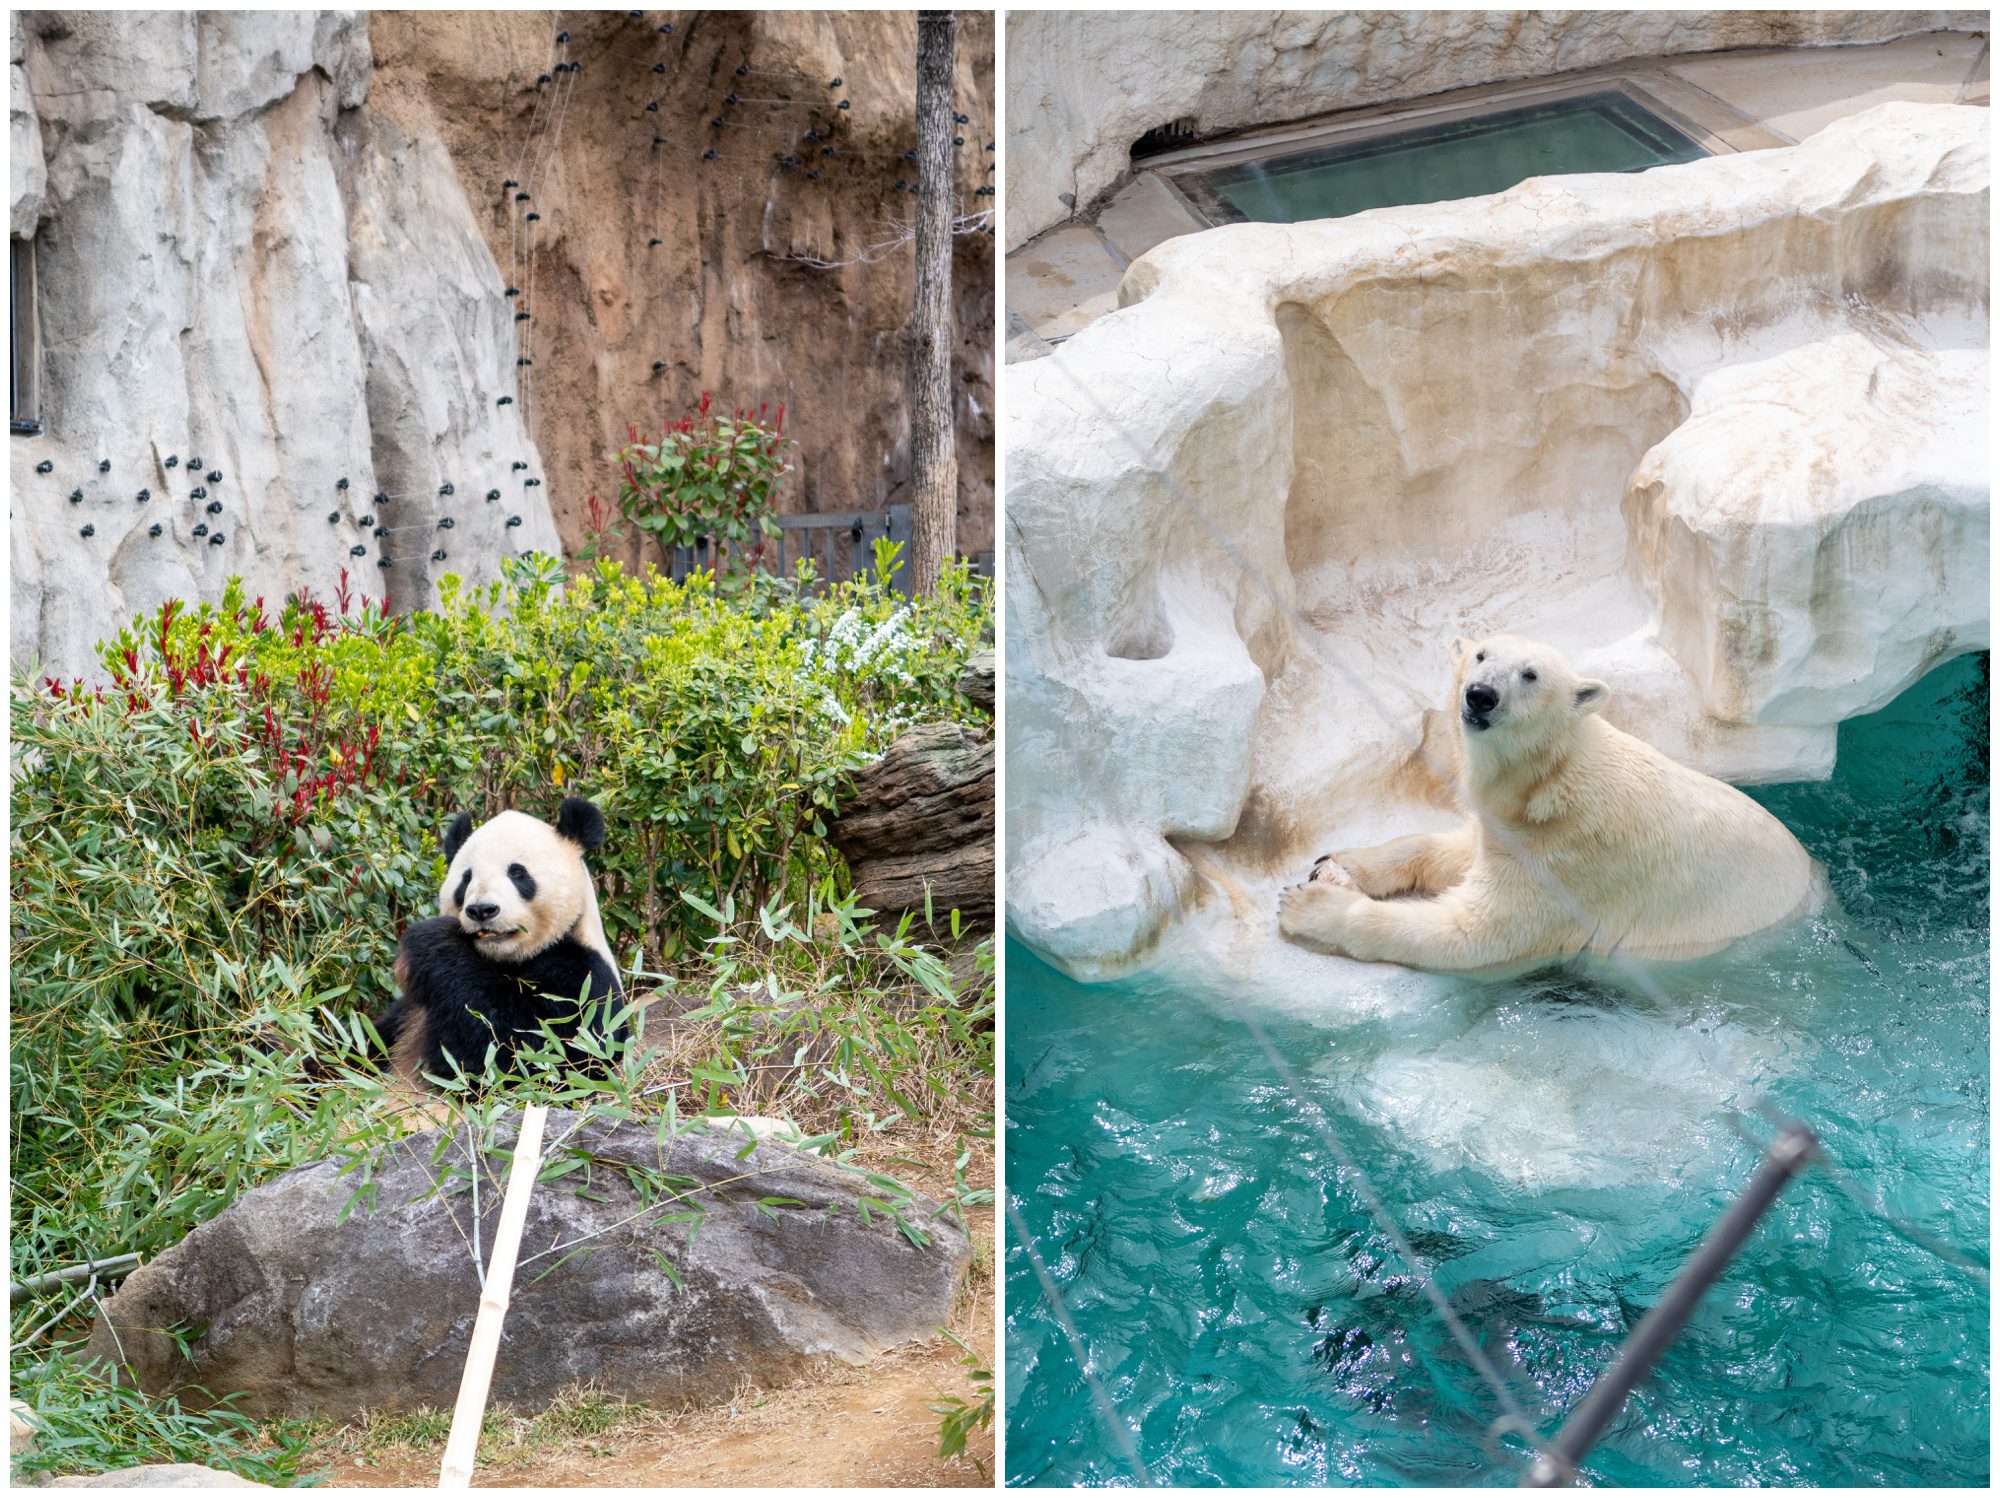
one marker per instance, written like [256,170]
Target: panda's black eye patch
[1527,676]
[463,884]
[523,880]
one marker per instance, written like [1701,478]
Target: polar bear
[1580,837]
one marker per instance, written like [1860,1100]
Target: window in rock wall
[24,384]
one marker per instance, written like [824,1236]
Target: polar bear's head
[1516,690]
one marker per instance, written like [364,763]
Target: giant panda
[516,940]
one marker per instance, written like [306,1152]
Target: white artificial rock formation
[239,260]
[1083,85]
[1717,431]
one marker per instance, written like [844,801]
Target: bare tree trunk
[933,442]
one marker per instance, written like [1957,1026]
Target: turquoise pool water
[1601,132]
[1245,1315]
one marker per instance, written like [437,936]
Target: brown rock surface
[728,301]
[921,819]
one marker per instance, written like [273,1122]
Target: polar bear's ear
[1591,695]
[1460,647]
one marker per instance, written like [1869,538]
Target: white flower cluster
[852,648]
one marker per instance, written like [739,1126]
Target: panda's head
[517,885]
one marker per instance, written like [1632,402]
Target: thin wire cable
[1107,1410]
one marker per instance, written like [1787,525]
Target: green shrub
[213,854]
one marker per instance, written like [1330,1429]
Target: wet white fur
[565,901]
[1659,860]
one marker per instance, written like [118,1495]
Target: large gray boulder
[302,1297]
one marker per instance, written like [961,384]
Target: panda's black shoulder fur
[456,1002]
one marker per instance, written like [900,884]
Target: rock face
[920,823]
[757,289]
[239,263]
[1716,431]
[300,1310]
[1082,86]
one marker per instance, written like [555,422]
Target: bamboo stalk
[470,1412]
[20,1290]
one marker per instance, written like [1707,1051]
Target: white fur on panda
[481,892]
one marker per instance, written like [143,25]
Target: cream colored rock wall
[1717,431]
[239,262]
[1082,86]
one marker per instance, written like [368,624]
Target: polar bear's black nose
[482,912]
[1481,698]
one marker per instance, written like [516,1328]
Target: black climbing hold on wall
[708,155]
[447,523]
[104,465]
[505,400]
[659,140]
[201,530]
[382,499]
[836,83]
[519,362]
[76,496]
[520,197]
[438,555]
[520,317]
[357,551]
[561,37]
[193,464]
[491,495]
[654,107]
[155,529]
[841,105]
[366,522]
[215,475]
[45,466]
[534,218]
[531,483]
[341,485]
[88,531]
[658,365]
[961,119]
[659,67]
[743,70]
[958,140]
[446,489]
[718,122]
[909,156]
[545,78]
[654,244]
[518,466]
[216,539]
[215,507]
[173,461]
[812,176]
[666,30]
[333,517]
[510,182]
[729,99]
[143,495]
[512,521]
[197,492]
[383,562]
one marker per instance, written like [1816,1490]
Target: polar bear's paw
[1328,869]
[1317,912]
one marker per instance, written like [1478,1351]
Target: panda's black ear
[581,822]
[456,834]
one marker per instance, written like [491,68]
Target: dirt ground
[842,1427]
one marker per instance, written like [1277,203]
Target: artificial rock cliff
[1717,431]
[277,242]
